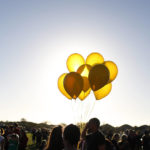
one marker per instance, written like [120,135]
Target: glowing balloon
[86,89]
[73,84]
[83,94]
[94,58]
[86,84]
[103,92]
[113,70]
[74,61]
[98,76]
[92,74]
[84,70]
[61,86]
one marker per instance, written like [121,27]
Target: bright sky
[36,38]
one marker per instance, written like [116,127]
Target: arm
[83,135]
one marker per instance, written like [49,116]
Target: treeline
[106,128]
[27,125]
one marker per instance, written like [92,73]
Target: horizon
[49,123]
[37,38]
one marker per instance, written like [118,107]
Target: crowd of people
[71,138]
[13,138]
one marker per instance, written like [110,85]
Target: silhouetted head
[116,137]
[56,132]
[132,134]
[93,124]
[71,135]
[127,132]
[55,141]
[124,138]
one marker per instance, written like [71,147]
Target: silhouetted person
[33,135]
[115,140]
[45,134]
[22,140]
[6,139]
[71,137]
[132,139]
[16,129]
[146,141]
[138,141]
[38,138]
[109,135]
[55,141]
[13,141]
[124,144]
[95,140]
[2,140]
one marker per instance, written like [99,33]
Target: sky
[36,38]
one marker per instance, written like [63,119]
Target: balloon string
[87,112]
[82,110]
[89,109]
[92,108]
[82,115]
[72,109]
[75,111]
[73,104]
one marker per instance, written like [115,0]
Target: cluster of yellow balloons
[93,74]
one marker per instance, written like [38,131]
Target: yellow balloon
[94,58]
[86,84]
[73,84]
[113,70]
[61,85]
[98,76]
[103,92]
[83,94]
[84,70]
[74,61]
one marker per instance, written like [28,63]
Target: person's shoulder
[88,136]
[99,137]
[99,133]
